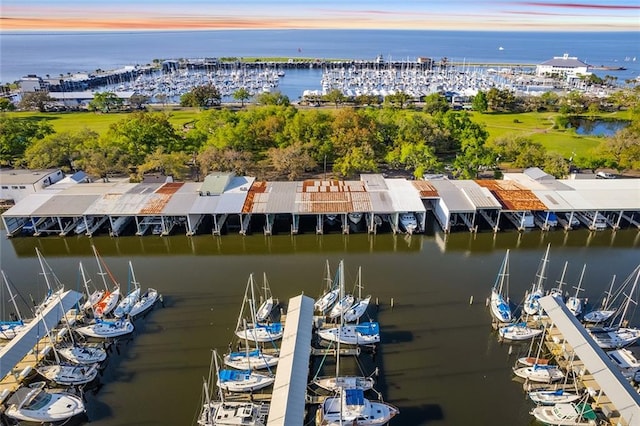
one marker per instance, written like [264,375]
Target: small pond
[597,127]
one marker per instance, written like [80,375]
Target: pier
[576,351]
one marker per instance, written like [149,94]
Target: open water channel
[440,361]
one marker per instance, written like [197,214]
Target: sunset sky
[496,15]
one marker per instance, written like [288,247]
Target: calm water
[69,52]
[440,361]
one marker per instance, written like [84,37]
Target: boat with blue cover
[500,308]
[243,380]
[366,333]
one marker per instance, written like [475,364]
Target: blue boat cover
[368,328]
[227,375]
[354,396]
[274,328]
[11,323]
[253,353]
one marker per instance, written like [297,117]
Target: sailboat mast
[542,269]
[12,298]
[100,271]
[629,299]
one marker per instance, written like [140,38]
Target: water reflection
[438,355]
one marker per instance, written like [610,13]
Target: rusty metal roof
[512,196]
[425,188]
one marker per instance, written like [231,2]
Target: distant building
[33,83]
[566,66]
[16,184]
[81,99]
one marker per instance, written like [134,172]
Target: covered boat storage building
[241,202]
[615,395]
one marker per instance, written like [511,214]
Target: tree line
[272,139]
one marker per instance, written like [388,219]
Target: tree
[105,102]
[204,96]
[224,160]
[556,165]
[400,99]
[17,134]
[336,97]
[138,101]
[622,150]
[272,98]
[141,133]
[292,160]
[168,164]
[436,103]
[102,157]
[58,149]
[6,105]
[242,95]
[35,101]
[480,102]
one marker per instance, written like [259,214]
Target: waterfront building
[565,65]
[17,184]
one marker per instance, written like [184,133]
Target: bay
[57,53]
[439,359]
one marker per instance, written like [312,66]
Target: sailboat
[360,306]
[350,407]
[557,291]
[144,303]
[110,298]
[10,329]
[346,300]
[267,305]
[532,304]
[329,297]
[243,380]
[105,329]
[606,311]
[62,373]
[232,413]
[256,332]
[565,414]
[574,303]
[366,333]
[35,404]
[52,294]
[75,352]
[500,308]
[617,337]
[126,304]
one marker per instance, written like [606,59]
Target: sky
[494,15]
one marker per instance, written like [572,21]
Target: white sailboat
[518,331]
[574,303]
[94,295]
[110,297]
[557,291]
[360,306]
[52,295]
[500,308]
[350,407]
[126,304]
[256,332]
[553,396]
[329,297]
[65,374]
[105,329]
[75,352]
[565,414]
[532,304]
[10,329]
[242,380]
[267,305]
[617,337]
[599,316]
[35,404]
[254,359]
[144,303]
[346,300]
[540,373]
[366,333]
[229,413]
